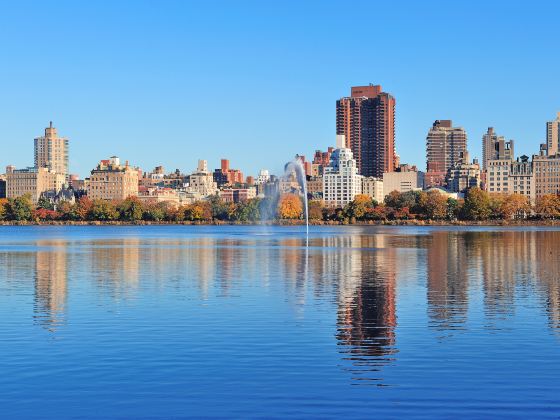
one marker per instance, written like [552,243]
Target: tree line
[478,205]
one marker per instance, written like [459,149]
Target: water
[180,321]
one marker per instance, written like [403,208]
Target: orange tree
[548,206]
[514,205]
[289,207]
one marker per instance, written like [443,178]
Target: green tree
[20,208]
[45,203]
[102,210]
[477,205]
[130,210]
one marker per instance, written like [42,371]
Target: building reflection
[447,282]
[366,315]
[51,271]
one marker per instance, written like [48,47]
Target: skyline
[259,83]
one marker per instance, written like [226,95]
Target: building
[227,176]
[341,180]
[320,161]
[2,186]
[445,145]
[113,181]
[158,195]
[201,182]
[263,177]
[553,136]
[51,151]
[406,178]
[373,188]
[367,121]
[522,177]
[32,181]
[495,147]
[315,187]
[463,175]
[238,195]
[498,176]
[546,170]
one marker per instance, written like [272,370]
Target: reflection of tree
[50,284]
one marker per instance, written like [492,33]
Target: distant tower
[495,147]
[553,135]
[445,146]
[367,120]
[51,151]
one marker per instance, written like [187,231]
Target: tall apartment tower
[51,151]
[495,147]
[367,120]
[445,146]
[553,136]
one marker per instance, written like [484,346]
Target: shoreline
[413,222]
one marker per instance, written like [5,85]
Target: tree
[454,208]
[514,206]
[433,205]
[477,205]
[357,208]
[548,206]
[45,203]
[82,209]
[131,209]
[248,211]
[45,214]
[315,208]
[20,208]
[102,210]
[3,208]
[290,207]
[154,212]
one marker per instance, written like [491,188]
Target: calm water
[169,322]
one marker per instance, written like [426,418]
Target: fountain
[296,166]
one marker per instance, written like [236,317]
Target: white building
[201,182]
[263,177]
[373,187]
[341,181]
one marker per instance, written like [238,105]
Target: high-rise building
[495,147]
[445,145]
[51,151]
[201,182]
[341,181]
[113,181]
[367,120]
[553,135]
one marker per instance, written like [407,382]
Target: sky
[170,82]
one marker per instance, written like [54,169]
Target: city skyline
[116,88]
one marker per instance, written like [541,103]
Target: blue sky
[169,82]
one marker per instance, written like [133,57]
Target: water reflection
[359,271]
[50,284]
